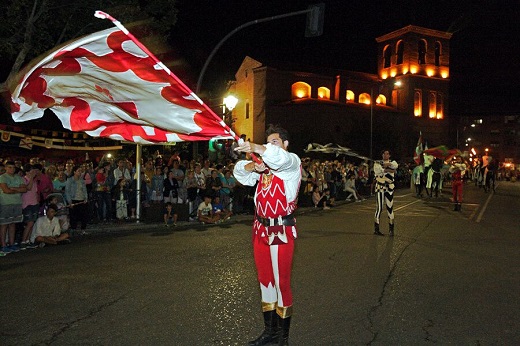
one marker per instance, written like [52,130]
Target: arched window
[440,107]
[433,105]
[350,96]
[417,103]
[421,51]
[387,56]
[301,90]
[381,99]
[400,52]
[438,52]
[324,93]
[364,98]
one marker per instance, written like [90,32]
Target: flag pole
[104,15]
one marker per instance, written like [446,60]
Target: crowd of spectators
[107,191]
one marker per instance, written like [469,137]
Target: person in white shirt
[47,229]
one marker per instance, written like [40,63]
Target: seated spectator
[170,217]
[350,187]
[205,211]
[320,199]
[61,211]
[220,210]
[47,229]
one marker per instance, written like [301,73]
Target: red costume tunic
[273,245]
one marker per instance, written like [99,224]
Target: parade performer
[384,172]
[457,170]
[274,230]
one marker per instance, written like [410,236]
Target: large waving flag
[442,152]
[418,149]
[108,84]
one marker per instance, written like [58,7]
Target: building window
[387,56]
[438,52]
[364,98]
[400,52]
[440,107]
[301,90]
[421,51]
[417,103]
[433,105]
[350,96]
[381,99]
[324,93]
[247,110]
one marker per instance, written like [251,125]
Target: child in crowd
[61,211]
[47,229]
[170,217]
[205,211]
[219,210]
[120,196]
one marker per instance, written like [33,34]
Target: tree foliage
[32,27]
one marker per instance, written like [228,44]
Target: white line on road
[406,205]
[484,208]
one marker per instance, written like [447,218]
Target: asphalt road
[445,278]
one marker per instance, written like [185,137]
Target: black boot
[459,207]
[270,333]
[285,324]
[376,229]
[391,228]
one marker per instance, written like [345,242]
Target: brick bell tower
[413,63]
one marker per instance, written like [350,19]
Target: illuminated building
[408,94]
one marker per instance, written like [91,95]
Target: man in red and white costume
[274,229]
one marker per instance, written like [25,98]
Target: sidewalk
[141,225]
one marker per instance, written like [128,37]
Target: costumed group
[277,177]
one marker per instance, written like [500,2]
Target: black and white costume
[384,190]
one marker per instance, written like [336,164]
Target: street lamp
[230,102]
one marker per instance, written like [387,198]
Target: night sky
[485,47]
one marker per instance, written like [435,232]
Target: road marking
[406,205]
[479,217]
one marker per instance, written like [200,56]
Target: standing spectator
[121,171]
[11,188]
[206,170]
[120,197]
[157,186]
[191,186]
[226,192]
[103,195]
[59,182]
[171,187]
[77,198]
[134,191]
[213,184]
[178,174]
[384,172]
[30,203]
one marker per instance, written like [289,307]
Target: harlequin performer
[457,170]
[274,227]
[384,173]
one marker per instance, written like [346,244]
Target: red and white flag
[107,84]
[418,149]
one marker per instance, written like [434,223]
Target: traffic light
[314,26]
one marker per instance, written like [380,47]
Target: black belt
[287,220]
